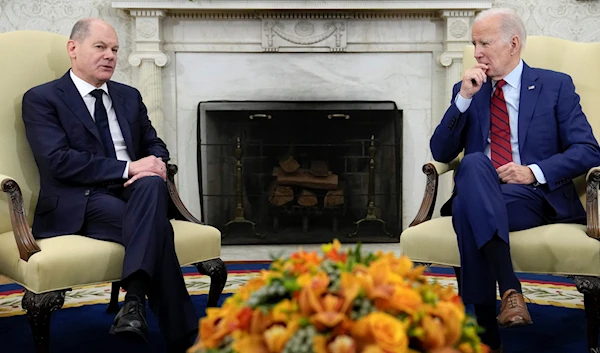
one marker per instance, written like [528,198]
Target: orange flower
[382,329]
[215,326]
[331,308]
[433,337]
[342,344]
[403,299]
[312,289]
[372,348]
[285,311]
[389,332]
[452,317]
[337,344]
[250,344]
[278,335]
[332,251]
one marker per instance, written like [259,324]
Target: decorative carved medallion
[458,28]
[304,35]
[146,28]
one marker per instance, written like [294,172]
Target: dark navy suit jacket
[68,150]
[553,133]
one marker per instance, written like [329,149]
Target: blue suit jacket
[69,153]
[553,133]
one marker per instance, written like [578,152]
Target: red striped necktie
[501,151]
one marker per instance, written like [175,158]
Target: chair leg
[217,271]
[113,306]
[39,308]
[590,287]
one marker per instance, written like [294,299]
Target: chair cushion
[74,260]
[563,249]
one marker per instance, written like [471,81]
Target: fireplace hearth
[300,172]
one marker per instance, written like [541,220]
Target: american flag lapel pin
[531,87]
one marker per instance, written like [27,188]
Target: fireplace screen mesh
[300,172]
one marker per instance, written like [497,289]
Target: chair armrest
[174,194]
[432,170]
[592,181]
[22,233]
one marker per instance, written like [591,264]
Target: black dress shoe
[131,321]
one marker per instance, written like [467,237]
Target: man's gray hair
[512,24]
[81,29]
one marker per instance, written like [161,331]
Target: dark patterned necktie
[101,118]
[501,150]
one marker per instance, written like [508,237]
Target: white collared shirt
[512,96]
[85,89]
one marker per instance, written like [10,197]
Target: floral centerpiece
[340,302]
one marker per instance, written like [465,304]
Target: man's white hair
[512,24]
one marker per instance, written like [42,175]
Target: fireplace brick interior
[338,135]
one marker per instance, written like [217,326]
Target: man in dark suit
[102,174]
[525,138]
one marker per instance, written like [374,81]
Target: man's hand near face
[147,166]
[473,80]
[512,173]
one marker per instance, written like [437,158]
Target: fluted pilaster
[150,58]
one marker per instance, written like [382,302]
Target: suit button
[87,193]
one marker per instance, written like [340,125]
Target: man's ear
[515,45]
[71,46]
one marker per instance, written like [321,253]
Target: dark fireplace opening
[301,172]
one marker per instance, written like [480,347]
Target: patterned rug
[539,289]
[82,325]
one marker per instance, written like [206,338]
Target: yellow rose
[382,329]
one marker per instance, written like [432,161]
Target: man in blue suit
[102,174]
[525,138]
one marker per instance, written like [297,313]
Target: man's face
[491,48]
[94,58]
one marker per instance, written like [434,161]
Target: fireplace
[278,172]
[402,51]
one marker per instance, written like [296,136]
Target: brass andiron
[371,212]
[239,207]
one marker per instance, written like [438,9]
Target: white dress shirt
[512,95]
[85,89]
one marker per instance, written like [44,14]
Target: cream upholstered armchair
[563,249]
[48,268]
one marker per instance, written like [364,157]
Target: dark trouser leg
[482,210]
[137,218]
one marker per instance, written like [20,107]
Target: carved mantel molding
[303,25]
[203,5]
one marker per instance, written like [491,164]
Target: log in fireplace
[300,172]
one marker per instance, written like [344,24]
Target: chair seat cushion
[551,249]
[74,260]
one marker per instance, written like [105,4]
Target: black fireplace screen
[300,172]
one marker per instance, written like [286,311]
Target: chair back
[30,58]
[579,60]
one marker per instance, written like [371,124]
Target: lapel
[483,99]
[527,101]
[70,95]
[120,106]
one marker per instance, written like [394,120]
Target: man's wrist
[126,171]
[538,174]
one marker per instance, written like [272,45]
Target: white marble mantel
[406,51]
